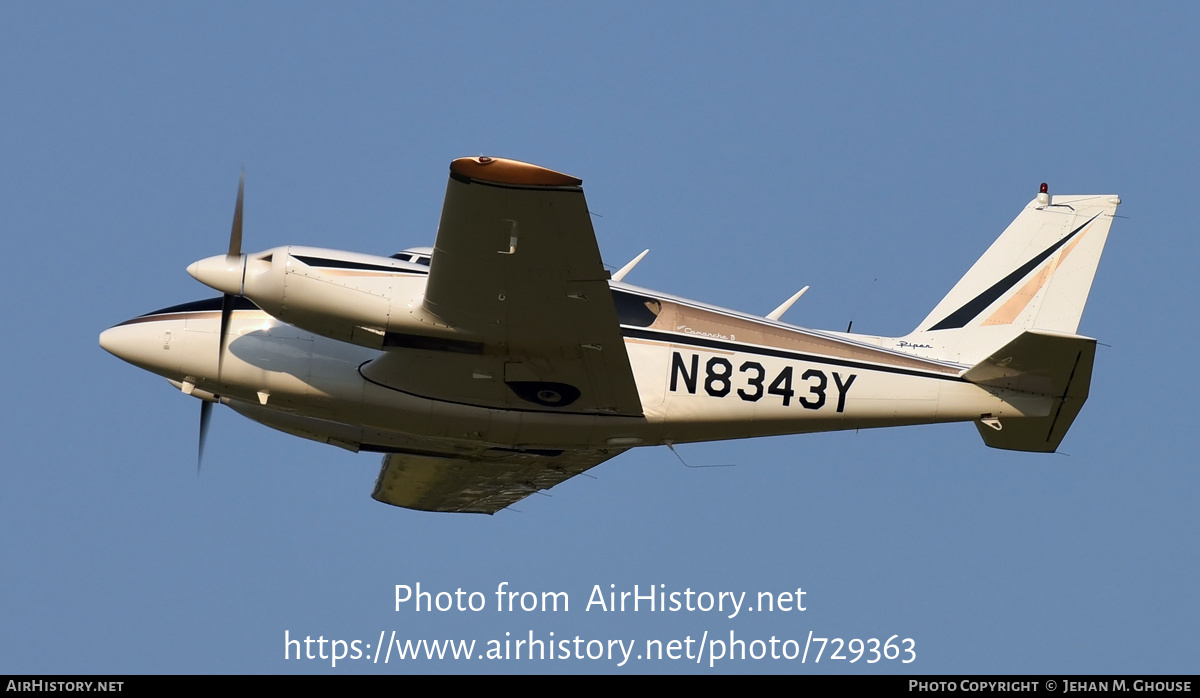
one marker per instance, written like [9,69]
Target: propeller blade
[235,235]
[227,302]
[235,250]
[205,417]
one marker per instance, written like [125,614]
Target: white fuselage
[702,373]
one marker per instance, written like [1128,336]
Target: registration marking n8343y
[812,390]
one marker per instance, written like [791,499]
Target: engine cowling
[351,297]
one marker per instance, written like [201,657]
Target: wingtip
[505,171]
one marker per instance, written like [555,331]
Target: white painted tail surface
[1035,277]
[1013,317]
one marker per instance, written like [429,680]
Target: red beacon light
[1043,197]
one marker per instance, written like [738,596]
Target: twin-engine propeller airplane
[506,359]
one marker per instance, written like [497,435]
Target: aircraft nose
[222,272]
[110,341]
[142,344]
[124,342]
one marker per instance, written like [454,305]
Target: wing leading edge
[433,482]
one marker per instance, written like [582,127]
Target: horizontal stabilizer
[1041,363]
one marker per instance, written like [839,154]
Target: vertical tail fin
[1035,276]
[1013,317]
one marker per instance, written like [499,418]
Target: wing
[483,484]
[516,278]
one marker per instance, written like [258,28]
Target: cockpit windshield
[415,255]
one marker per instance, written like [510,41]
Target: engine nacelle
[367,300]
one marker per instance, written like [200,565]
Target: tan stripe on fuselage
[699,322]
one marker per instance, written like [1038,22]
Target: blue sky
[870,151]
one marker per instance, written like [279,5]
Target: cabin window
[635,309]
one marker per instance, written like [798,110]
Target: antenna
[685,463]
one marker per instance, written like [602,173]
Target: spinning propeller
[234,260]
